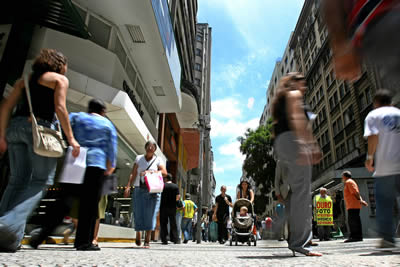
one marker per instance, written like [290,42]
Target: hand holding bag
[154,182]
[46,141]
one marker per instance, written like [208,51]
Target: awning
[60,15]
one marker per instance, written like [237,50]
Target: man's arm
[346,58]
[372,144]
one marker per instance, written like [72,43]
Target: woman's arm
[60,84]
[5,111]
[251,196]
[163,170]
[297,119]
[131,180]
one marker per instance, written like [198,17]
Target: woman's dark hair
[286,84]
[148,143]
[49,60]
[96,106]
[169,177]
[383,97]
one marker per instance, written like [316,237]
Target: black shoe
[165,243]
[185,241]
[7,240]
[88,248]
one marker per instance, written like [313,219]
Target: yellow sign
[324,211]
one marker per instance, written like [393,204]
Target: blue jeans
[387,189]
[178,224]
[187,228]
[29,176]
[145,208]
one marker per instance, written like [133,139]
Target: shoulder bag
[154,181]
[46,141]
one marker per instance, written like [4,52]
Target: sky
[247,38]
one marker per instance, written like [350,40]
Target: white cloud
[232,128]
[230,74]
[226,108]
[217,169]
[250,102]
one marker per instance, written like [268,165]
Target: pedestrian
[99,136]
[179,214]
[204,224]
[145,205]
[354,202]
[296,145]
[382,128]
[187,220]
[245,191]
[323,214]
[169,198]
[210,220]
[281,192]
[365,32]
[221,214]
[31,173]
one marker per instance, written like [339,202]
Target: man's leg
[173,228]
[220,230]
[353,221]
[88,206]
[163,225]
[178,217]
[385,191]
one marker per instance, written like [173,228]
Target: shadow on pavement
[272,257]
[381,253]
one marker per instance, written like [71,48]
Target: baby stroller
[242,226]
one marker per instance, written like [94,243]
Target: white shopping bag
[74,169]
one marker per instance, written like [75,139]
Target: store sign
[4,33]
[324,211]
[132,96]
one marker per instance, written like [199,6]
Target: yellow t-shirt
[189,209]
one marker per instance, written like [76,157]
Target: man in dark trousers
[223,202]
[354,202]
[169,197]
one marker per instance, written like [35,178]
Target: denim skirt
[145,208]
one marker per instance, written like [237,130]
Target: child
[243,211]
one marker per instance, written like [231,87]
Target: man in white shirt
[382,128]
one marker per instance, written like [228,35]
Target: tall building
[202,81]
[340,108]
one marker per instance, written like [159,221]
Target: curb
[59,240]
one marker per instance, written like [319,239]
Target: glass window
[120,51]
[350,144]
[131,72]
[348,115]
[146,101]
[197,67]
[100,31]
[81,12]
[199,38]
[139,88]
[363,102]
[197,81]
[198,52]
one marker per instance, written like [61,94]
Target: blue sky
[248,36]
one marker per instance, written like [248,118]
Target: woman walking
[31,173]
[145,205]
[296,145]
[245,191]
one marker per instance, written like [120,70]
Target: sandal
[146,245]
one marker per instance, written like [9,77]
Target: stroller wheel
[255,241]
